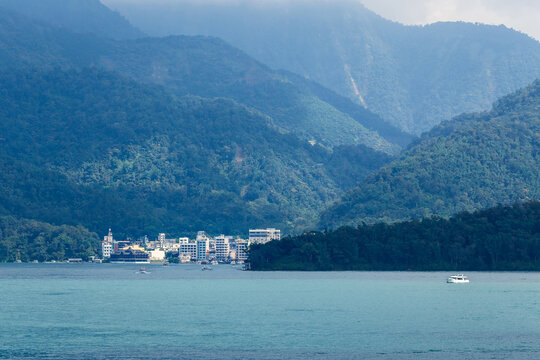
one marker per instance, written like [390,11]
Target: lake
[110,311]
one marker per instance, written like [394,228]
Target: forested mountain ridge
[94,148]
[201,66]
[414,76]
[501,238]
[80,16]
[474,161]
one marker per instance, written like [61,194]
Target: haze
[521,15]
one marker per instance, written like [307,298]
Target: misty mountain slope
[200,66]
[80,16]
[475,161]
[211,68]
[415,77]
[93,148]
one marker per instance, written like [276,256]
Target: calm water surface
[103,311]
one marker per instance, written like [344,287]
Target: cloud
[522,15]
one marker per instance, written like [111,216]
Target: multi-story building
[107,245]
[130,255]
[183,240]
[190,249]
[262,236]
[242,247]
[222,247]
[201,235]
[202,249]
[161,239]
[106,249]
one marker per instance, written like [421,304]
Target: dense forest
[471,162]
[29,240]
[94,148]
[500,238]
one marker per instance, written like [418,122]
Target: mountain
[201,66]
[413,76]
[98,149]
[80,16]
[473,161]
[501,238]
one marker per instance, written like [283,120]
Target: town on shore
[204,248]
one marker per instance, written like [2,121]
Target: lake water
[107,311]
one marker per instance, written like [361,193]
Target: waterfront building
[242,247]
[189,249]
[157,255]
[161,239]
[222,244]
[106,249]
[129,255]
[184,258]
[202,249]
[107,245]
[262,236]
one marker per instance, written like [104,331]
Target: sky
[521,15]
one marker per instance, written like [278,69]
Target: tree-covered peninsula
[500,238]
[29,240]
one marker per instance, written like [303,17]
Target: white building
[188,249]
[242,247]
[161,239]
[183,240]
[202,248]
[107,249]
[262,236]
[222,247]
[184,258]
[107,246]
[157,255]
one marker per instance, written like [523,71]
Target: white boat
[206,267]
[143,271]
[458,279]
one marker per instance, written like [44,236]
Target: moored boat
[458,279]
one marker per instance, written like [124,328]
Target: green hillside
[93,148]
[500,238]
[201,66]
[471,162]
[29,240]
[414,76]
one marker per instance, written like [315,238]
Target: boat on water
[206,267]
[143,271]
[457,279]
